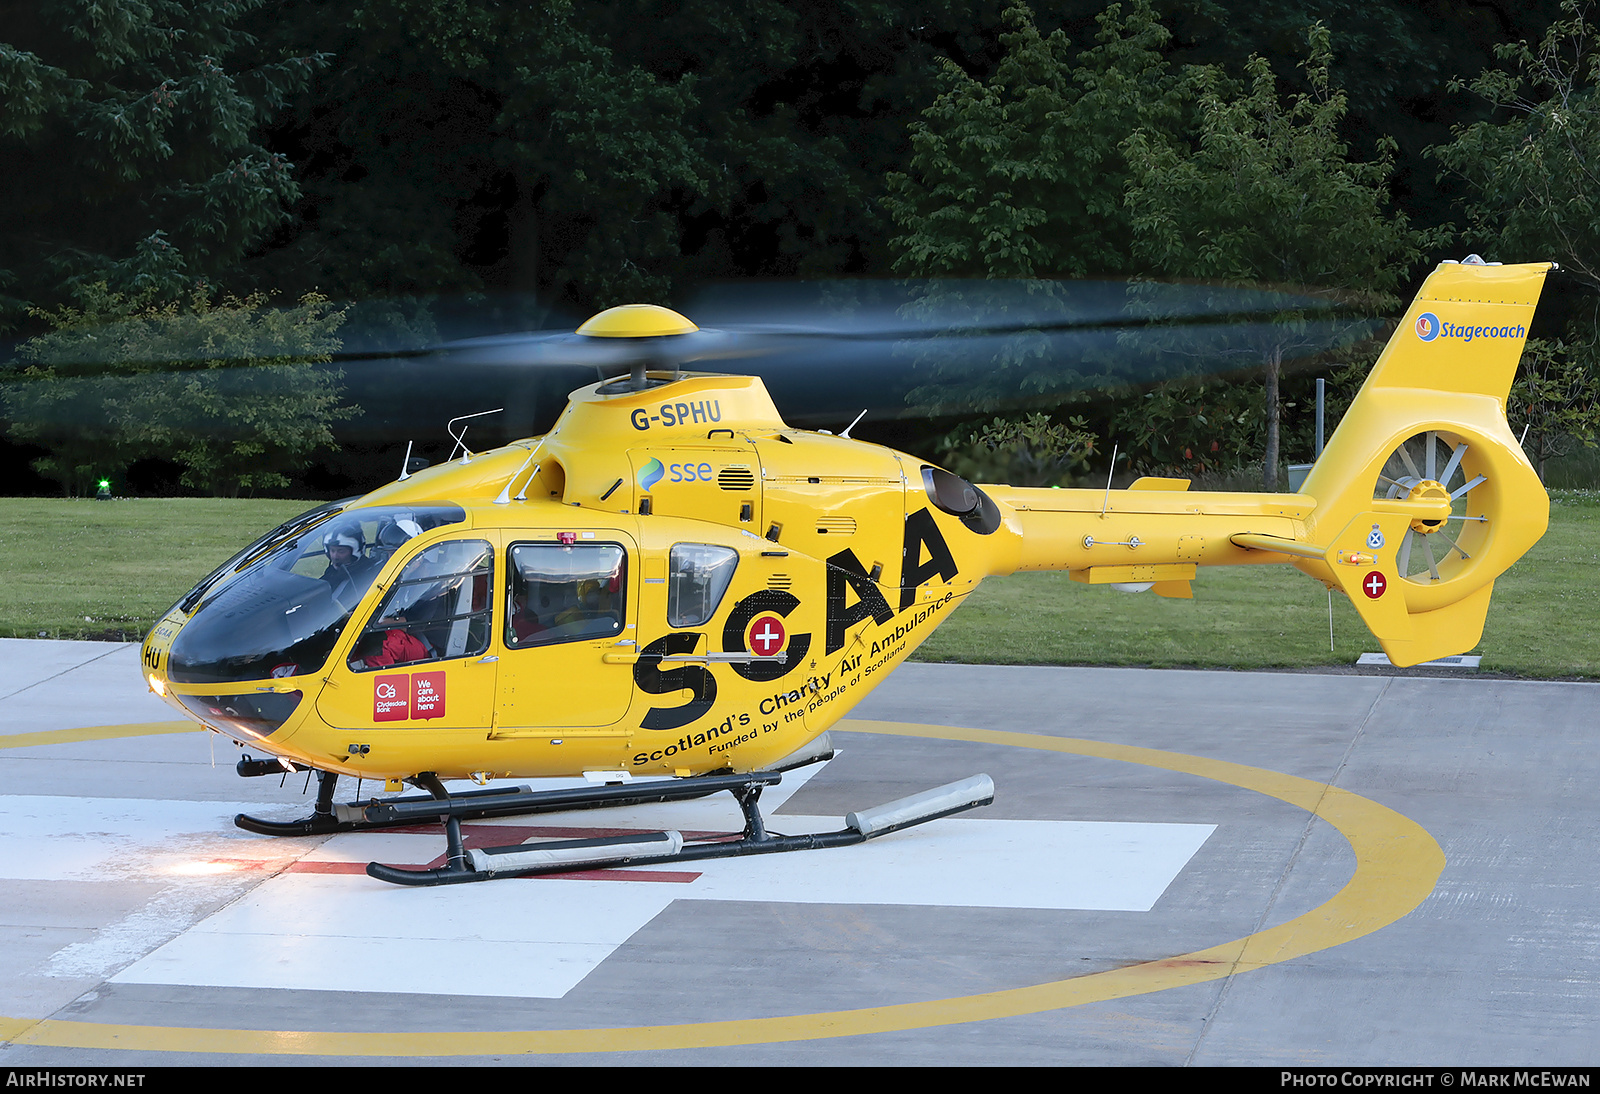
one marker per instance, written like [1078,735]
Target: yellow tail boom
[1422,497]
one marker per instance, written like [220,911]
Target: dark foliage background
[465,166]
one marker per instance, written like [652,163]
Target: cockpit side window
[564,593]
[438,608]
[697,577]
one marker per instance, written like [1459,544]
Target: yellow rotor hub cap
[637,321]
[1429,490]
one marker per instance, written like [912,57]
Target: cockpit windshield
[283,614]
[289,529]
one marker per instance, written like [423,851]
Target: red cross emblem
[766,635]
[1373,585]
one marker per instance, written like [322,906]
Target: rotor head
[646,322]
[637,321]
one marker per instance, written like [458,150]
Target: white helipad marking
[528,938]
[540,938]
[967,862]
[191,849]
[533,940]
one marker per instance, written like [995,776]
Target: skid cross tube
[511,801]
[517,803]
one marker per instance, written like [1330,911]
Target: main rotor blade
[825,351]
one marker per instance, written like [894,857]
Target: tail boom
[1423,465]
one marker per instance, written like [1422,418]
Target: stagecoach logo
[1431,327]
[650,474]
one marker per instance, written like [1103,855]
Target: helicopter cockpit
[283,611]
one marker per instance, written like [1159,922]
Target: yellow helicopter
[674,593]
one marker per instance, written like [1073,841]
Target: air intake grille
[736,478]
[779,581]
[836,526]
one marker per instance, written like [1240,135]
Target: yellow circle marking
[95,733]
[1397,865]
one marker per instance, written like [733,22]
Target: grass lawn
[82,568]
[78,568]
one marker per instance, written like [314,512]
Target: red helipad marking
[502,835]
[671,877]
[320,867]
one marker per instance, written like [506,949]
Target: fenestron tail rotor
[1434,465]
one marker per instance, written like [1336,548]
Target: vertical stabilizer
[1427,439]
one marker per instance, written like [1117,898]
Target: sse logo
[650,474]
[653,472]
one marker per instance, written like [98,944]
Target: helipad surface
[1179,867]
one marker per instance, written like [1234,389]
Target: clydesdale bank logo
[1429,327]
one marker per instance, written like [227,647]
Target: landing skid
[660,848]
[565,856]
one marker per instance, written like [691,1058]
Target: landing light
[157,685]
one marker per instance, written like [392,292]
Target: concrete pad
[1495,965]
[52,684]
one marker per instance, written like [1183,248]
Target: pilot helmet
[345,537]
[395,533]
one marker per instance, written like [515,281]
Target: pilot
[394,534]
[346,558]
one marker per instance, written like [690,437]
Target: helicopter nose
[153,654]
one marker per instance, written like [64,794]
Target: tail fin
[1427,440]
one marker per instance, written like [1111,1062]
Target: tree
[1015,182]
[593,153]
[126,132]
[1028,450]
[1190,428]
[493,134]
[1022,176]
[1533,179]
[1556,399]
[1534,175]
[230,391]
[1265,194]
